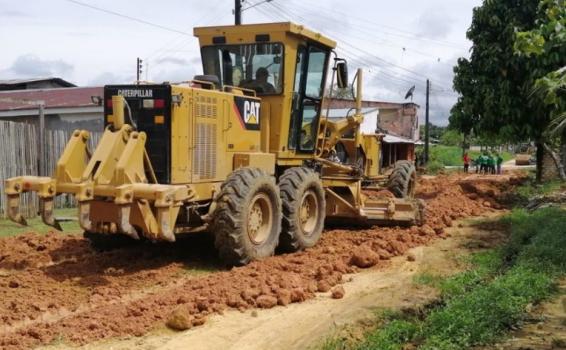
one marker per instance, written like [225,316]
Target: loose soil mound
[57,287]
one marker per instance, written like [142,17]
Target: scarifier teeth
[165,225]
[46,208]
[124,222]
[14,210]
[84,216]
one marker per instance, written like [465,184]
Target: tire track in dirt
[56,287]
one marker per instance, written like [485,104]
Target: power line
[404,33]
[400,82]
[129,17]
[184,42]
[291,14]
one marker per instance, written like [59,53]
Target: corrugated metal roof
[60,81]
[53,98]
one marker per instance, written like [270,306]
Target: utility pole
[138,69]
[426,131]
[238,12]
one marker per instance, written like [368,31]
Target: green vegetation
[517,46]
[531,188]
[546,43]
[478,306]
[452,155]
[8,228]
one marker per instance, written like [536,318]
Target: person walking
[499,161]
[466,159]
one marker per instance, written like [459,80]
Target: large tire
[304,209]
[247,221]
[403,179]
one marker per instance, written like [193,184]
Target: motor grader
[244,151]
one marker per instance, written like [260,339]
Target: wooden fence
[19,149]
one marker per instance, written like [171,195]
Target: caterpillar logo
[248,111]
[135,92]
[251,112]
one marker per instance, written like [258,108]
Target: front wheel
[304,209]
[247,221]
[403,179]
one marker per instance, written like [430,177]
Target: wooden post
[41,154]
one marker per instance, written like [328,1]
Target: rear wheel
[304,209]
[403,179]
[247,221]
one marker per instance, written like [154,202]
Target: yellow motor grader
[244,151]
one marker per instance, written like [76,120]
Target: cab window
[307,97]
[253,66]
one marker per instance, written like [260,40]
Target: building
[398,121]
[34,83]
[66,108]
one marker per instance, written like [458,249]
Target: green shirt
[490,161]
[499,160]
[483,160]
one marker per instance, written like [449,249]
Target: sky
[399,44]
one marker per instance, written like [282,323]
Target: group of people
[485,163]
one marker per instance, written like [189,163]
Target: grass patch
[392,336]
[531,189]
[428,279]
[480,305]
[9,228]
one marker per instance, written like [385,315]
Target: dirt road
[55,289]
[305,325]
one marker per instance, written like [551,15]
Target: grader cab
[244,151]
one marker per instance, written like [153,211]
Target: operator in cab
[260,83]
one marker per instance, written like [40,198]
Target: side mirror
[342,76]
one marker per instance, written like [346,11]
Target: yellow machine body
[133,185]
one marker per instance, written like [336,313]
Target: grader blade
[393,211]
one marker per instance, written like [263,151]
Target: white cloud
[30,65]
[107,78]
[434,24]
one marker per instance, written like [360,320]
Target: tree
[547,42]
[451,137]
[434,131]
[495,83]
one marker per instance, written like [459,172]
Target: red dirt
[56,286]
